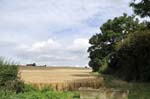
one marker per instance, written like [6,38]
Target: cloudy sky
[53,32]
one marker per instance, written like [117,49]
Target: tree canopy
[111,32]
[122,47]
[141,8]
[133,57]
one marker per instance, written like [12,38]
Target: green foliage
[6,94]
[103,44]
[141,8]
[95,63]
[136,90]
[9,76]
[38,94]
[7,72]
[133,57]
[104,65]
[29,88]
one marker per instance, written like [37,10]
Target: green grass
[95,73]
[136,90]
[37,94]
[30,92]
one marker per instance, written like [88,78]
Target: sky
[53,32]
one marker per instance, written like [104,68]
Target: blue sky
[53,32]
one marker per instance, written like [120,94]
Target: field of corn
[60,78]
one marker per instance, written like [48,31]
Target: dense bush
[9,79]
[132,58]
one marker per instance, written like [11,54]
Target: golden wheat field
[60,78]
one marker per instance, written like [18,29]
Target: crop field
[60,78]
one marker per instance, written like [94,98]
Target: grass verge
[136,90]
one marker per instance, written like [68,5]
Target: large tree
[141,7]
[133,57]
[102,44]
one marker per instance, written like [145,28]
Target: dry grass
[60,78]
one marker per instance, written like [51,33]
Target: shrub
[133,57]
[9,79]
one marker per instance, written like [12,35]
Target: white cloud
[31,25]
[42,46]
[80,44]
[53,51]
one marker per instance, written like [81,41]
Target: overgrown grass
[31,92]
[38,94]
[136,90]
